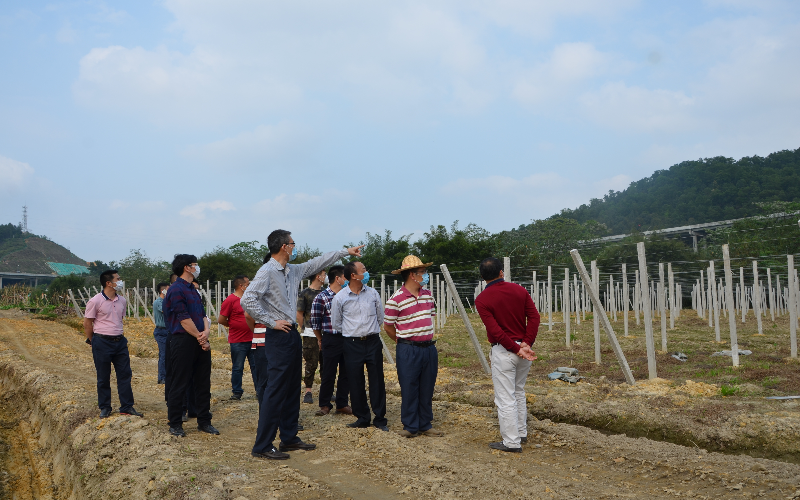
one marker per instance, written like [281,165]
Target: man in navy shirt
[190,351]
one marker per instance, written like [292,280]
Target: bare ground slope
[55,447]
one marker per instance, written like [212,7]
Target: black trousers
[280,404]
[107,352]
[357,354]
[333,360]
[188,397]
[260,373]
[189,364]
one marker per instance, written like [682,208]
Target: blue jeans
[106,352]
[161,335]
[416,371]
[240,351]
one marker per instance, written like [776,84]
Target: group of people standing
[274,327]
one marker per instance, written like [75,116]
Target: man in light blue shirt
[357,312]
[271,299]
[160,333]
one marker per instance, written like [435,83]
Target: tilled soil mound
[54,446]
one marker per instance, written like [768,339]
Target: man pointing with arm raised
[271,299]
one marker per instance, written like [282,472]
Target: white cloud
[198,210]
[66,34]
[14,174]
[640,109]
[618,182]
[266,146]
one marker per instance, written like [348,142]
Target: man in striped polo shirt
[408,321]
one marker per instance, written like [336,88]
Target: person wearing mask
[102,324]
[271,299]
[409,322]
[310,343]
[240,336]
[161,334]
[330,343]
[190,350]
[511,322]
[357,312]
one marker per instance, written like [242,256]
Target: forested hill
[693,192]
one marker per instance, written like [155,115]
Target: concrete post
[549,298]
[594,284]
[566,306]
[577,298]
[662,305]
[757,298]
[598,311]
[729,299]
[770,295]
[625,296]
[714,298]
[701,296]
[636,296]
[792,307]
[507,269]
[743,296]
[648,324]
[467,322]
[672,302]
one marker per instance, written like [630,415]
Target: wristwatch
[89,341]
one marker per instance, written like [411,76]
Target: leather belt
[425,343]
[110,338]
[365,337]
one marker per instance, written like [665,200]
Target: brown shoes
[323,410]
[432,433]
[344,411]
[404,433]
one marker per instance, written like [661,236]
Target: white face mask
[119,285]
[325,281]
[196,271]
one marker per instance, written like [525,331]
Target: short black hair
[350,270]
[490,268]
[334,272]
[276,240]
[239,280]
[172,278]
[182,260]
[107,276]
[161,286]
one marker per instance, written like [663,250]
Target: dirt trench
[55,447]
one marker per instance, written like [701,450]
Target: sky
[176,126]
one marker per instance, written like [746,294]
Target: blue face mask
[346,282]
[425,279]
[365,279]
[294,254]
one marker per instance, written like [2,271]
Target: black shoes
[300,428]
[272,454]
[502,447]
[382,427]
[106,412]
[357,425]
[524,440]
[185,417]
[300,445]
[177,432]
[209,429]
[161,381]
[236,397]
[308,398]
[131,411]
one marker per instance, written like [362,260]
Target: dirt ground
[54,446]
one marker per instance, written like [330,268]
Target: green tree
[383,254]
[460,248]
[546,241]
[138,266]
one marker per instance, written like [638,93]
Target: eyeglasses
[291,244]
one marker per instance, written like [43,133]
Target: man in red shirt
[511,322]
[240,336]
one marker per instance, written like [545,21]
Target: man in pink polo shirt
[102,324]
[408,321]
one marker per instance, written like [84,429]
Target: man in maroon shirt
[240,336]
[511,322]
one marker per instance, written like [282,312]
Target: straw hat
[411,262]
